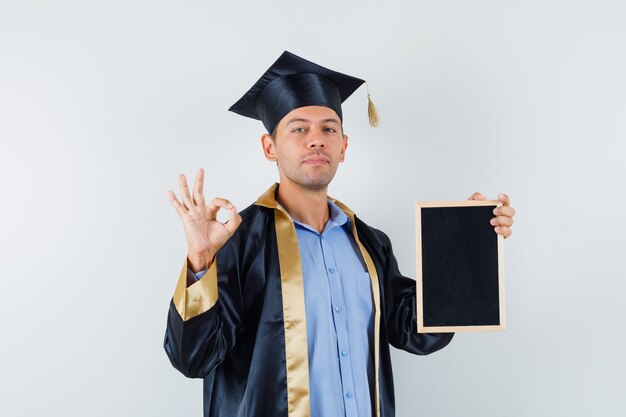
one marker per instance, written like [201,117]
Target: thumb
[477,196]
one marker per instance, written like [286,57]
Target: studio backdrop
[104,103]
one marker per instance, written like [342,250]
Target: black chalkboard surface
[460,270]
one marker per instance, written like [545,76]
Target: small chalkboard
[460,267]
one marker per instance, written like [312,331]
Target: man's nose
[316,140]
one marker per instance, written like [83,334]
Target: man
[288,309]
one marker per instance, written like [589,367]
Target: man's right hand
[205,234]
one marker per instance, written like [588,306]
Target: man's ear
[342,156]
[269,148]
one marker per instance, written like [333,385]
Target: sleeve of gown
[400,311]
[202,322]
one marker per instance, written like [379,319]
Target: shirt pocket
[364,300]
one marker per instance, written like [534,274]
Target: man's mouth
[315,160]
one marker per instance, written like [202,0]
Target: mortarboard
[293,82]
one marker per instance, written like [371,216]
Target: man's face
[308,145]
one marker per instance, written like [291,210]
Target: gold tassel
[372,114]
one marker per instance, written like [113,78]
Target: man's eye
[298,130]
[330,129]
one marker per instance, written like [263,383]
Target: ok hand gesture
[205,234]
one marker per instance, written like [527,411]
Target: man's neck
[308,206]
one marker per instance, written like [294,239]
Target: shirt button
[344,353]
[331,269]
[338,309]
[349,394]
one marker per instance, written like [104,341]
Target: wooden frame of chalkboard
[460,267]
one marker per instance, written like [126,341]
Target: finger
[180,209]
[504,211]
[184,191]
[215,205]
[502,221]
[198,196]
[505,199]
[477,196]
[504,231]
[234,220]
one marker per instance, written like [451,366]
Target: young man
[288,309]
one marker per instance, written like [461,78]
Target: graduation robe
[242,326]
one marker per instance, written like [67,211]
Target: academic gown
[242,326]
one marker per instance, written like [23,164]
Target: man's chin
[316,184]
[310,180]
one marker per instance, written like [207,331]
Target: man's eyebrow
[301,119]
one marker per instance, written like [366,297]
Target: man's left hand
[504,214]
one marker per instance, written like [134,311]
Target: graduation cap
[293,82]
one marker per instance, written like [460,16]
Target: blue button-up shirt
[339,319]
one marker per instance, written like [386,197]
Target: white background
[104,103]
